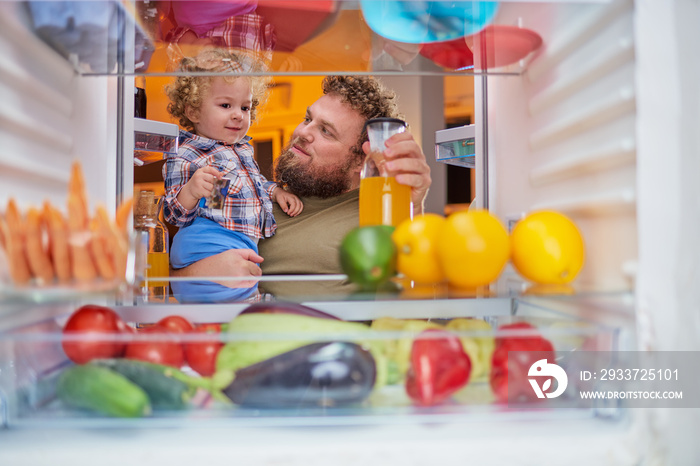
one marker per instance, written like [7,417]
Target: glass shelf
[337,288]
[305,37]
[404,294]
[32,359]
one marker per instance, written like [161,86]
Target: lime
[368,255]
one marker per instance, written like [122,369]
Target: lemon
[368,255]
[473,248]
[416,245]
[547,248]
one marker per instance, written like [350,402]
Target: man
[322,165]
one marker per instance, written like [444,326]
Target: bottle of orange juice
[155,243]
[383,201]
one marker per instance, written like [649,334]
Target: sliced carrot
[98,247]
[124,213]
[14,234]
[82,263]
[116,240]
[76,188]
[37,254]
[58,242]
[3,243]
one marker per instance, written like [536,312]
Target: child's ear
[192,114]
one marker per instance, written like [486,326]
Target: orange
[473,248]
[547,248]
[416,248]
[550,289]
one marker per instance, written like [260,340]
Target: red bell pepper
[509,377]
[439,367]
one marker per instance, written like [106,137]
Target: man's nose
[304,132]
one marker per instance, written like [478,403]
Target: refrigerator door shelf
[456,146]
[153,140]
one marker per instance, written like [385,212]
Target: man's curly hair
[188,90]
[367,96]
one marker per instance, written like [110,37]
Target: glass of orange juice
[383,201]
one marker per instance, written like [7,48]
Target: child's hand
[190,38]
[290,204]
[199,186]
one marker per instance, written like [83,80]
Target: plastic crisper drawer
[32,359]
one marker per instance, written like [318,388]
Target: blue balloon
[421,22]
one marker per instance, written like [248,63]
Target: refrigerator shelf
[294,38]
[32,359]
[323,289]
[456,146]
[154,140]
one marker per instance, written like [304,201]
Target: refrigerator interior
[576,126]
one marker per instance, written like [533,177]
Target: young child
[217,109]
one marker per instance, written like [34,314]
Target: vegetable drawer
[284,363]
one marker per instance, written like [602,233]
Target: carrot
[3,245]
[98,247]
[100,244]
[118,234]
[115,240]
[76,188]
[121,252]
[37,255]
[14,237]
[124,213]
[82,263]
[58,242]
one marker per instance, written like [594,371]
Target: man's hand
[290,204]
[405,160]
[230,263]
[199,186]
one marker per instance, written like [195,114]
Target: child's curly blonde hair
[188,91]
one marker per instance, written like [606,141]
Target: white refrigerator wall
[49,117]
[562,135]
[605,126]
[668,295]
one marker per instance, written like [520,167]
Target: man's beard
[304,180]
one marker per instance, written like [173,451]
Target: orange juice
[383,201]
[158,266]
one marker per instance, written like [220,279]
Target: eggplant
[322,374]
[286,308]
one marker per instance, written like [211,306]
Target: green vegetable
[103,390]
[157,380]
[398,351]
[242,353]
[368,256]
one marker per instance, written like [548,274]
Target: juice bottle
[154,244]
[383,201]
[158,266]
